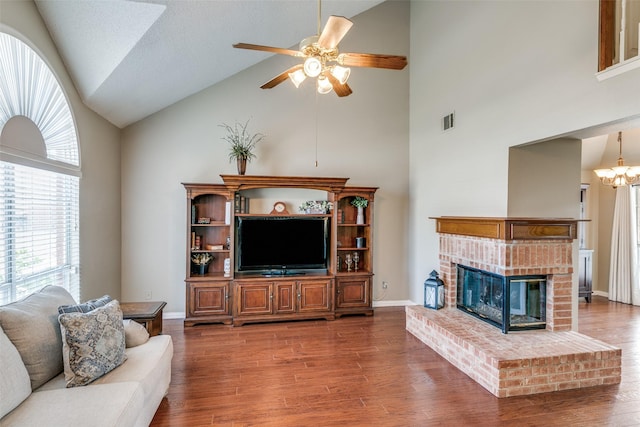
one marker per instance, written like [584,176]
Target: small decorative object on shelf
[195,241]
[241,143]
[360,203]
[204,220]
[227,267]
[361,242]
[201,261]
[434,291]
[279,208]
[316,207]
[349,261]
[356,260]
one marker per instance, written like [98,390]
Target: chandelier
[620,175]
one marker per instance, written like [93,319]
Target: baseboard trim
[601,294]
[173,315]
[398,303]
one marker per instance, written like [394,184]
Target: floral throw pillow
[93,343]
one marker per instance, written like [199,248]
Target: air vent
[447,122]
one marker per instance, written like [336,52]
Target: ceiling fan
[323,61]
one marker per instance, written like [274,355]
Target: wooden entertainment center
[219,295]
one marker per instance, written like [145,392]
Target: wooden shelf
[289,215]
[248,182]
[241,298]
[513,228]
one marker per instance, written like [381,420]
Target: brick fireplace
[524,362]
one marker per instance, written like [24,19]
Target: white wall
[544,179]
[514,72]
[363,137]
[100,151]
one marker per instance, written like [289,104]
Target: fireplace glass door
[482,294]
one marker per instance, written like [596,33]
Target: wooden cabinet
[209,234]
[263,299]
[353,295]
[315,295]
[354,247]
[215,293]
[285,293]
[208,302]
[585,271]
[253,298]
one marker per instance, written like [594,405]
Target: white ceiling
[129,59]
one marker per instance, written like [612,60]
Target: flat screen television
[281,245]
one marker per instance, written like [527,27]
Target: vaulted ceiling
[129,59]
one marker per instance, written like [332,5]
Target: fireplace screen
[483,294]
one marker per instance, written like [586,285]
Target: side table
[148,314]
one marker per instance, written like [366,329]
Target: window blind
[39,224]
[39,170]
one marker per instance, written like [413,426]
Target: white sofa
[129,395]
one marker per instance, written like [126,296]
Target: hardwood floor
[368,371]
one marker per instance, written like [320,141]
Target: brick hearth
[525,362]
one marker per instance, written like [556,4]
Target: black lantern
[434,291]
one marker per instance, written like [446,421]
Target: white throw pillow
[93,343]
[134,333]
[15,385]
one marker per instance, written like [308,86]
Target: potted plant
[360,203]
[242,144]
[201,260]
[316,207]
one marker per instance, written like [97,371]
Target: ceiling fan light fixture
[312,66]
[341,73]
[297,77]
[321,58]
[324,85]
[307,42]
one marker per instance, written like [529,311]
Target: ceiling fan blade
[267,49]
[341,89]
[280,77]
[392,62]
[334,30]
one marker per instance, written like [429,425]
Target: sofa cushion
[93,343]
[149,365]
[32,326]
[134,333]
[106,405]
[15,385]
[85,307]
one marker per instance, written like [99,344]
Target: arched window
[39,177]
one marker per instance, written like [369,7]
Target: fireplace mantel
[508,228]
